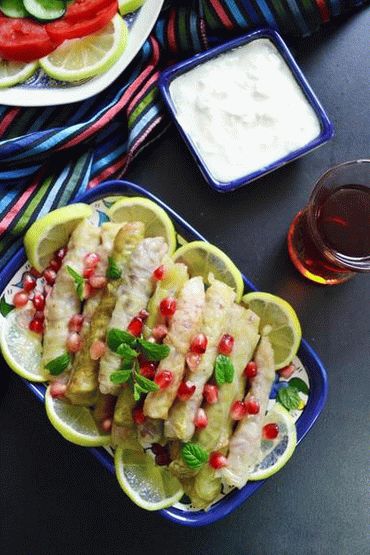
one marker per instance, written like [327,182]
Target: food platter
[40,90]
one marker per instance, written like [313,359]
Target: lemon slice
[276,453]
[51,232]
[203,258]
[157,222]
[150,486]
[88,56]
[20,347]
[128,6]
[279,322]
[74,423]
[12,73]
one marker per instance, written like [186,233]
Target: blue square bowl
[175,71]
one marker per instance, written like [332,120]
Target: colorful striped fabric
[48,155]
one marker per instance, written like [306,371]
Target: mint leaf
[113,271]
[138,390]
[58,364]
[153,351]
[300,385]
[5,307]
[79,282]
[224,370]
[289,397]
[122,376]
[193,455]
[126,352]
[116,337]
[145,384]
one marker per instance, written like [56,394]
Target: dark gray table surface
[55,498]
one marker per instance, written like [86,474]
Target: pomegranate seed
[250,371]
[50,275]
[60,254]
[36,326]
[270,431]
[97,349]
[162,459]
[47,290]
[159,332]
[163,378]
[39,315]
[58,389]
[29,283]
[238,410]
[210,393]
[148,370]
[35,272]
[157,448]
[201,420]
[98,282]
[143,314]
[138,415]
[75,323]
[20,299]
[252,406]
[167,307]
[135,327]
[193,361]
[186,390]
[158,273]
[88,272]
[217,460]
[74,342]
[199,344]
[107,425]
[226,344]
[287,371]
[55,264]
[91,260]
[38,301]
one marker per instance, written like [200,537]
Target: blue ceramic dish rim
[169,74]
[316,371]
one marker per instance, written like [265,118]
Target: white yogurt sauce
[243,110]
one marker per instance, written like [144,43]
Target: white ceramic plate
[40,90]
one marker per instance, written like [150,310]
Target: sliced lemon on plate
[12,73]
[129,6]
[51,232]
[21,348]
[277,452]
[279,322]
[74,423]
[203,259]
[157,222]
[88,56]
[150,486]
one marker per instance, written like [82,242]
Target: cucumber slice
[13,8]
[46,10]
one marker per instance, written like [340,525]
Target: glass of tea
[329,240]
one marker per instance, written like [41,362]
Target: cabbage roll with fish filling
[245,444]
[185,323]
[124,430]
[132,296]
[219,299]
[64,301]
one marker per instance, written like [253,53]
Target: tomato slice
[64,29]
[23,40]
[85,9]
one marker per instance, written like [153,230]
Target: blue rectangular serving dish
[314,367]
[176,70]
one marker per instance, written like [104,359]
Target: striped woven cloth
[48,155]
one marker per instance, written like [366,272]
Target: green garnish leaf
[113,271]
[122,376]
[5,307]
[58,364]
[224,370]
[79,282]
[126,352]
[289,397]
[138,390]
[193,455]
[145,384]
[116,337]
[300,385]
[153,351]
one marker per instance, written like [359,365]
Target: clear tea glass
[329,240]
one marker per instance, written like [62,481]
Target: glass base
[308,260]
